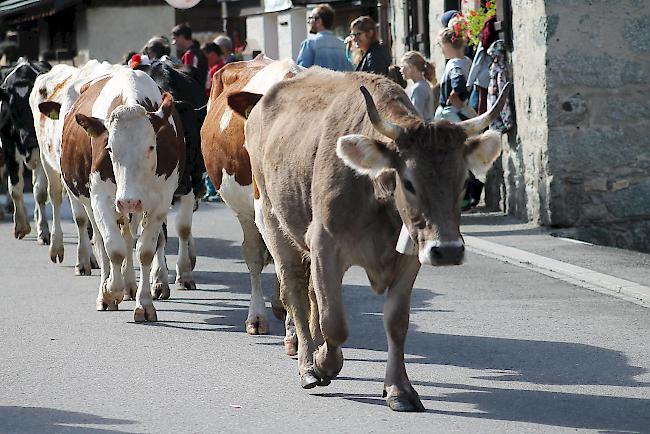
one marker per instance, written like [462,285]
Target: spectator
[192,56]
[453,84]
[215,61]
[423,75]
[479,75]
[325,49]
[376,59]
[157,47]
[225,43]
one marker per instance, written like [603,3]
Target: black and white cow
[19,144]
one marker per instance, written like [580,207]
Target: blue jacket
[324,50]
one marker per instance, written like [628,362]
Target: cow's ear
[4,95]
[243,102]
[94,126]
[50,109]
[365,155]
[481,151]
[166,105]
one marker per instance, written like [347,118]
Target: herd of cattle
[324,170]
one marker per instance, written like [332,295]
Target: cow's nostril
[436,252]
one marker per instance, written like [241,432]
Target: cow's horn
[389,130]
[478,124]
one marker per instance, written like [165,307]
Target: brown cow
[228,165]
[335,192]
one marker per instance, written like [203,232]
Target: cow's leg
[184,231]
[327,275]
[84,264]
[159,276]
[293,276]
[128,272]
[146,250]
[39,181]
[253,251]
[16,187]
[55,193]
[398,391]
[102,204]
[314,316]
[104,261]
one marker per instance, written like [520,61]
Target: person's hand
[455,100]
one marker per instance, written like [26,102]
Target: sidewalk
[622,273]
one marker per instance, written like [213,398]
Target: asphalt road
[491,348]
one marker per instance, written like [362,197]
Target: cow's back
[78,156]
[222,134]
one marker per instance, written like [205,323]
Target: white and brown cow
[121,154]
[228,165]
[338,177]
[57,91]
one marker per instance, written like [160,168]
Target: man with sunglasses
[324,49]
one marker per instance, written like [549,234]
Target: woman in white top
[414,67]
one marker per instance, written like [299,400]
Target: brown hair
[418,61]
[449,36]
[326,14]
[366,24]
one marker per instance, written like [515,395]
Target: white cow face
[132,146]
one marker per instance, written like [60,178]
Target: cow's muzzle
[129,205]
[442,252]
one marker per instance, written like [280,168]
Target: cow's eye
[408,185]
[151,148]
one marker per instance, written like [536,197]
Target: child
[422,73]
[453,84]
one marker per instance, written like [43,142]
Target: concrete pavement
[492,347]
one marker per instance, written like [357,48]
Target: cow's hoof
[187,285]
[144,313]
[309,380]
[291,345]
[258,326]
[328,363]
[129,291]
[278,310]
[44,239]
[160,290]
[102,305]
[56,253]
[404,401]
[82,270]
[21,231]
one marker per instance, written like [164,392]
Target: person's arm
[306,54]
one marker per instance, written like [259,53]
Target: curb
[583,277]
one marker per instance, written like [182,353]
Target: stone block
[571,110]
[597,184]
[636,33]
[630,203]
[580,68]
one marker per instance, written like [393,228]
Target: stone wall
[598,84]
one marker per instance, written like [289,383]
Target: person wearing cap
[225,43]
[447,16]
[192,56]
[325,49]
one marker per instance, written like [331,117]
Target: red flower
[488,5]
[473,13]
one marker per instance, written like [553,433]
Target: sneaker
[213,198]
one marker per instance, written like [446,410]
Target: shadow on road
[570,410]
[30,420]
